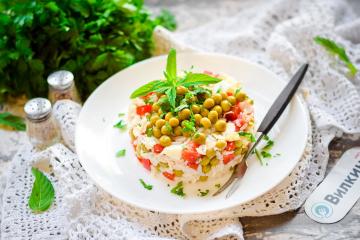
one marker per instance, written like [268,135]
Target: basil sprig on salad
[172,81]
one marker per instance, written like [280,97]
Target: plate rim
[298,98]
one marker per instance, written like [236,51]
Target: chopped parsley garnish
[121,153]
[149,132]
[203,194]
[237,90]
[181,107]
[218,185]
[121,114]
[120,125]
[248,135]
[219,90]
[168,127]
[178,189]
[263,162]
[189,126]
[265,154]
[146,186]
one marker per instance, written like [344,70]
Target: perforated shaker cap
[60,79]
[37,108]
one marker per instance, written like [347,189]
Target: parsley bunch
[93,39]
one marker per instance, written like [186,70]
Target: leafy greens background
[92,38]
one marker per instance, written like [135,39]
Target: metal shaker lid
[60,79]
[37,108]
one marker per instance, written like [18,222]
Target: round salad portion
[191,130]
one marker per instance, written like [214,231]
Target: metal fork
[266,125]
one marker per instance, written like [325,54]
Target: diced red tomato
[239,122]
[237,128]
[229,93]
[158,148]
[169,176]
[227,158]
[193,165]
[230,116]
[192,145]
[141,110]
[236,109]
[146,163]
[190,155]
[230,146]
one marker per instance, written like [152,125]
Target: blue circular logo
[322,210]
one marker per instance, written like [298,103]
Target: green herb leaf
[193,79]
[171,67]
[15,122]
[121,114]
[181,107]
[178,189]
[188,126]
[166,19]
[334,48]
[203,194]
[149,132]
[147,88]
[120,125]
[42,193]
[171,94]
[248,135]
[218,185]
[121,153]
[263,162]
[266,154]
[146,186]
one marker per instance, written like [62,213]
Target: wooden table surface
[295,224]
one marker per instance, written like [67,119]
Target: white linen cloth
[277,34]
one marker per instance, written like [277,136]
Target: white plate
[97,140]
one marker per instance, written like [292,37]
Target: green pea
[199,138]
[204,112]
[181,90]
[156,132]
[225,105]
[184,114]
[209,103]
[232,100]
[168,116]
[205,122]
[213,116]
[159,123]
[195,108]
[220,126]
[197,118]
[178,131]
[166,130]
[154,118]
[174,122]
[240,96]
[218,109]
[220,144]
[165,141]
[217,98]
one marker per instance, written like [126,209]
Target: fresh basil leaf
[192,79]
[178,189]
[147,88]
[42,193]
[146,186]
[121,153]
[13,121]
[334,48]
[171,67]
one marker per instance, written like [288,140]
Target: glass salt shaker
[41,127]
[62,86]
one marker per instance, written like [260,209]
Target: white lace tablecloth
[276,34]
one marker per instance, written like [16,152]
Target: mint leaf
[171,67]
[121,153]
[146,186]
[42,193]
[13,121]
[334,48]
[147,88]
[192,79]
[178,189]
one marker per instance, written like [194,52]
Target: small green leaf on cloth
[42,193]
[7,119]
[335,49]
